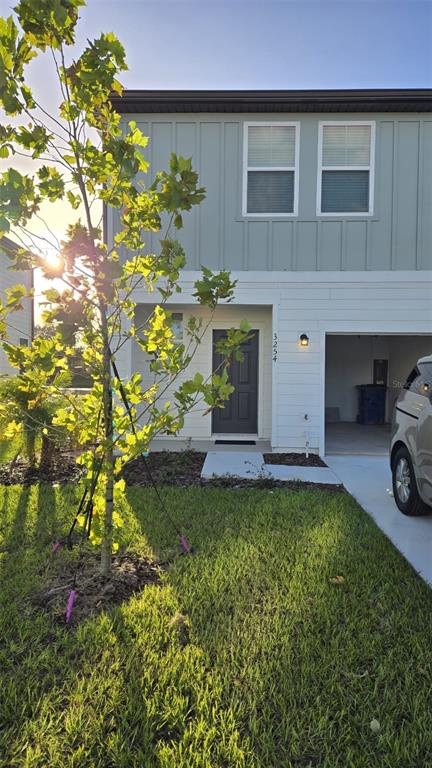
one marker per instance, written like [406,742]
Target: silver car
[411,442]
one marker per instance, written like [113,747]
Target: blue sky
[243,44]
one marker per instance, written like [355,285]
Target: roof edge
[9,245]
[353,100]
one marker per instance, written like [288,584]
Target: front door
[240,414]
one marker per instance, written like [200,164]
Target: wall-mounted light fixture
[304,340]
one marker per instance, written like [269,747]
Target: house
[320,204]
[21,324]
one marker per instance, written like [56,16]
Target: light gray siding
[20,323]
[397,236]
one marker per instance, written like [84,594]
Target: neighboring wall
[22,321]
[397,236]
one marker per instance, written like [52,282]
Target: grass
[9,449]
[304,626]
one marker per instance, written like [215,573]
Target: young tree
[83,155]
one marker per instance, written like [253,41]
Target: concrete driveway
[368,479]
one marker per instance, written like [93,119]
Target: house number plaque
[275,347]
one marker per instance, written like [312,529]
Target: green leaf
[51,183]
[74,200]
[49,22]
[4,225]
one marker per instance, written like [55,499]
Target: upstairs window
[270,173]
[345,168]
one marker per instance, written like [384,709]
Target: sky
[266,44]
[243,44]
[211,44]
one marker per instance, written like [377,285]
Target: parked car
[411,442]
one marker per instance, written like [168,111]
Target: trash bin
[371,403]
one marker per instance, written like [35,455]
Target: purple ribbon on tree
[69,606]
[185,545]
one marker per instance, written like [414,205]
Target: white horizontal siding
[197,422]
[393,308]
[20,323]
[363,303]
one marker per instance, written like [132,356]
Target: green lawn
[285,667]
[9,449]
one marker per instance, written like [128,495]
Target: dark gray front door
[240,413]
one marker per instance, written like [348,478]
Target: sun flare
[53,260]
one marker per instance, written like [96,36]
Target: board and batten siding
[22,322]
[397,236]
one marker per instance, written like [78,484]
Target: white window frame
[295,168]
[177,341]
[370,168]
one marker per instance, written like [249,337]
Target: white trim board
[285,276]
[249,289]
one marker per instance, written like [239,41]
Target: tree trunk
[30,445]
[106,551]
[47,454]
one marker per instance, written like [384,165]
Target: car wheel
[405,490]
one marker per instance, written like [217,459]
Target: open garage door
[364,374]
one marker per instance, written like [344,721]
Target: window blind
[346,145]
[270,192]
[271,146]
[345,191]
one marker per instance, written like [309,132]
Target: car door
[424,431]
[408,408]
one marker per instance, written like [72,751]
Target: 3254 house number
[275,347]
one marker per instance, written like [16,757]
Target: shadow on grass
[301,604]
[120,690]
[16,521]
[46,518]
[289,629]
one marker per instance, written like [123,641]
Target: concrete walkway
[368,479]
[249,465]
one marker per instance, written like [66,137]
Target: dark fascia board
[10,246]
[371,100]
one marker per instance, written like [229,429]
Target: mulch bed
[64,470]
[182,468]
[294,459]
[167,468]
[95,593]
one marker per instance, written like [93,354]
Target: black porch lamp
[304,340]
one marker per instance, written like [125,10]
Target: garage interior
[358,417]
